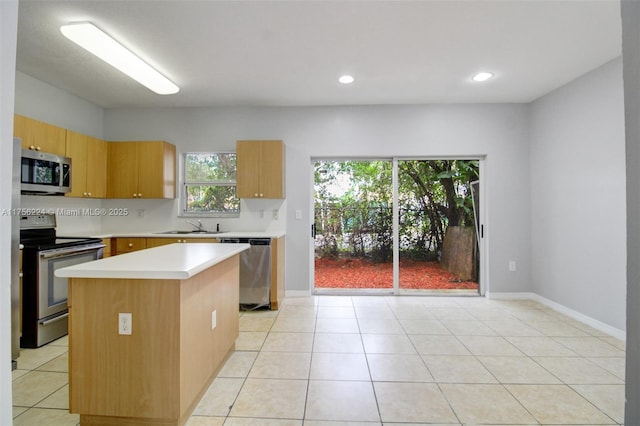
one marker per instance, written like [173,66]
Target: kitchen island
[153,364]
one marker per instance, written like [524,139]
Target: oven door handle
[58,318]
[50,254]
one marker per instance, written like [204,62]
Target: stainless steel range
[44,296]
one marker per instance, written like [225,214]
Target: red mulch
[360,273]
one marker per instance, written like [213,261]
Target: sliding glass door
[395,225]
[438,251]
[353,231]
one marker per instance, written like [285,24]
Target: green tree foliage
[434,195]
[354,205]
[210,182]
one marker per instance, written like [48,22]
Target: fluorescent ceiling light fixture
[482,76]
[346,79]
[88,36]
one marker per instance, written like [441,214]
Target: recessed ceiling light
[346,79]
[482,76]
[86,35]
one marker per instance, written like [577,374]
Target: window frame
[183,188]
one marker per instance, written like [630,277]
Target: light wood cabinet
[156,242]
[106,251]
[260,169]
[39,136]
[127,245]
[145,169]
[158,373]
[277,273]
[89,165]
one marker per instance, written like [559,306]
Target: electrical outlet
[298,214]
[124,323]
[213,320]
[275,214]
[140,212]
[512,266]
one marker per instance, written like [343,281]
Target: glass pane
[438,249]
[353,220]
[212,167]
[212,199]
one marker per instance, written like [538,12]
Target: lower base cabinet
[129,244]
[277,273]
[158,373]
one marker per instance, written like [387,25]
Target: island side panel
[203,348]
[277,272]
[135,375]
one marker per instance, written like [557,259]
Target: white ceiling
[290,53]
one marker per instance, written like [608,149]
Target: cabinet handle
[37,148]
[89,194]
[261,194]
[139,195]
[32,147]
[255,194]
[130,245]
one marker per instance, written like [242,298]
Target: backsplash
[95,216]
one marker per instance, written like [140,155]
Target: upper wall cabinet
[88,167]
[141,170]
[260,169]
[39,136]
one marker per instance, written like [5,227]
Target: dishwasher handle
[230,240]
[252,241]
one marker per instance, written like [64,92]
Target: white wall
[578,196]
[41,101]
[497,131]
[8,33]
[631,52]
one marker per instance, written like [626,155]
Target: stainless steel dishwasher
[255,272]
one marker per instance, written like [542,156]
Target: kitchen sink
[175,232]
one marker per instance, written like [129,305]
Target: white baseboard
[297,293]
[585,319]
[509,296]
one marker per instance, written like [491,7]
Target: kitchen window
[209,184]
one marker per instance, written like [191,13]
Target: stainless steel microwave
[44,173]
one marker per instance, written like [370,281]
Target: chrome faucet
[198,225]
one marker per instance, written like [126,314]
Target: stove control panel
[37,221]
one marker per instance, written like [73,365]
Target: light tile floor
[374,360]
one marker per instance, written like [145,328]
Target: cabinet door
[156,169]
[39,136]
[88,167]
[127,245]
[200,240]
[272,164]
[106,251]
[155,242]
[122,170]
[248,168]
[96,163]
[77,147]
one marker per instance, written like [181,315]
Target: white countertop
[172,261]
[159,234]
